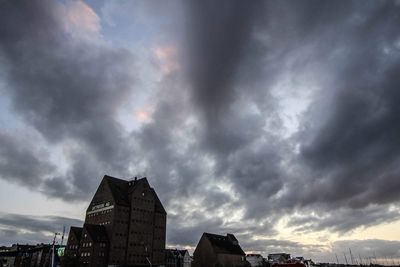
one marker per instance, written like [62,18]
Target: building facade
[219,251]
[177,258]
[131,221]
[256,260]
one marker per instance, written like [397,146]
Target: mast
[53,249]
[351,257]
[345,258]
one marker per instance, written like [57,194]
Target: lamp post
[147,258]
[52,254]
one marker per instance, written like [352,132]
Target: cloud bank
[260,110]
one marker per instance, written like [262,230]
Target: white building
[255,260]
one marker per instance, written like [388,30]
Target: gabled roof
[224,244]
[159,206]
[96,232]
[119,189]
[183,252]
[177,252]
[77,231]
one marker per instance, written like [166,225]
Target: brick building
[219,251]
[125,225]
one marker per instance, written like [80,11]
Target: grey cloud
[354,152]
[344,220]
[218,34]
[218,120]
[23,164]
[67,88]
[17,228]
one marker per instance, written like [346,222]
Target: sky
[277,121]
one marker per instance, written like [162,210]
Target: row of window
[105,223]
[123,210]
[142,210]
[99,213]
[142,221]
[120,234]
[136,244]
[87,244]
[73,247]
[141,233]
[121,222]
[143,200]
[85,254]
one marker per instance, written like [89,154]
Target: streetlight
[54,242]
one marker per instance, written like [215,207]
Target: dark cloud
[344,220]
[354,153]
[67,87]
[218,35]
[25,229]
[19,162]
[218,140]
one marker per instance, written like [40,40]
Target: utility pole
[147,258]
[53,249]
[62,238]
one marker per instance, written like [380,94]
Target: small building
[218,250]
[255,260]
[278,257]
[94,246]
[74,240]
[177,258]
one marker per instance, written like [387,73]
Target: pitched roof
[119,189]
[77,231]
[96,232]
[224,244]
[159,205]
[176,252]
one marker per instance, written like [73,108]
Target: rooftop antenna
[337,260]
[345,258]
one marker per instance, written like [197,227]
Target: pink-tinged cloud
[81,20]
[166,58]
[143,116]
